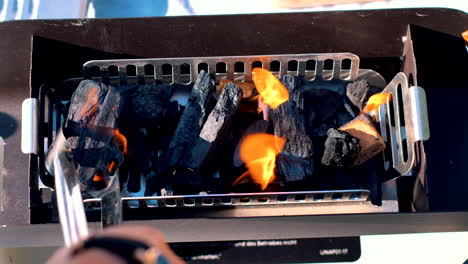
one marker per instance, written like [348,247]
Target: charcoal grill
[60,48]
[397,119]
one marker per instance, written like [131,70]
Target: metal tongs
[71,210]
[69,199]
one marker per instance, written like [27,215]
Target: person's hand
[151,237]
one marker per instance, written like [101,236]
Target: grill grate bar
[248,199]
[228,72]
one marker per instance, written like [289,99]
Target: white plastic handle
[29,116]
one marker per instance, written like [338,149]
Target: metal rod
[69,201]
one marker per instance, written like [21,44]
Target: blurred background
[52,9]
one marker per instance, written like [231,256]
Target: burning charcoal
[292,168]
[89,129]
[94,105]
[248,88]
[190,124]
[229,163]
[272,93]
[363,128]
[259,152]
[145,104]
[341,149]
[357,93]
[259,126]
[288,120]
[217,125]
[370,141]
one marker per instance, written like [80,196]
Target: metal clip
[419,113]
[29,123]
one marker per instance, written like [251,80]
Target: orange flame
[375,101]
[98,176]
[121,142]
[259,151]
[270,88]
[465,36]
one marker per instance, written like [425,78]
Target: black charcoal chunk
[288,120]
[325,109]
[216,128]
[145,104]
[190,124]
[341,149]
[149,100]
[180,181]
[357,93]
[89,129]
[160,138]
[187,181]
[292,168]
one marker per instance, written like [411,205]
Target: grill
[48,70]
[402,122]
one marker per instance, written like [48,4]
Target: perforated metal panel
[326,66]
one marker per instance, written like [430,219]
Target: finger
[90,256]
[148,235]
[95,256]
[59,256]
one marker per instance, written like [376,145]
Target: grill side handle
[419,113]
[29,126]
[403,123]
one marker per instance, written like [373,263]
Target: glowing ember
[121,142]
[91,104]
[259,151]
[112,167]
[375,101]
[98,176]
[270,88]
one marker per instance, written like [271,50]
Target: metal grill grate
[402,122]
[247,199]
[327,66]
